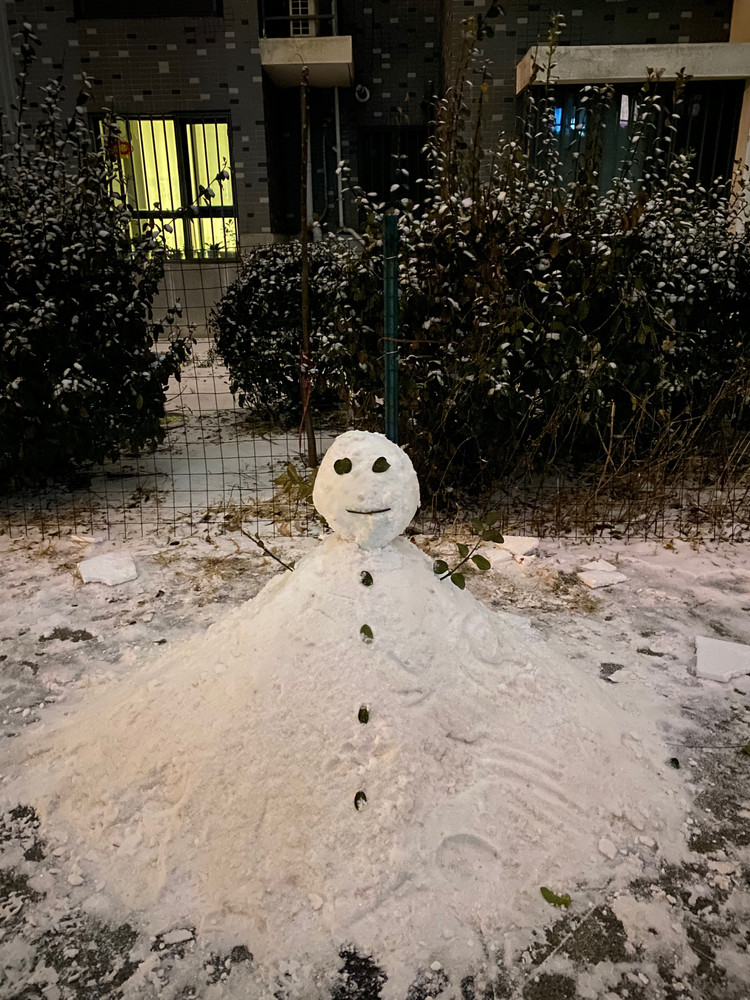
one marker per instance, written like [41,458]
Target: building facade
[207,92]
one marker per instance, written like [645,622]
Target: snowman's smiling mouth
[383,510]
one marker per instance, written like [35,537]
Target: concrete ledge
[329,59]
[629,63]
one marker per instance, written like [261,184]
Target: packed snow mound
[235,783]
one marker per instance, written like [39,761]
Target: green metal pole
[390,309]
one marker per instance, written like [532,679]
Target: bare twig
[262,545]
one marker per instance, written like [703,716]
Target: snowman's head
[366,488]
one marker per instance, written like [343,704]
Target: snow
[111,568]
[224,781]
[366,488]
[718,660]
[220,780]
[167,744]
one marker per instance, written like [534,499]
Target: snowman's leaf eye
[380,465]
[342,466]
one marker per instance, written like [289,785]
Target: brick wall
[589,22]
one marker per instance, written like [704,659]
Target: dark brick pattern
[589,22]
[160,66]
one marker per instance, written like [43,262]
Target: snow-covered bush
[258,329]
[552,320]
[80,373]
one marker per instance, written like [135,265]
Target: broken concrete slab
[111,569]
[719,660]
[598,578]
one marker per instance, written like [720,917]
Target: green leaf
[365,578]
[380,465]
[366,633]
[463,550]
[342,466]
[492,535]
[553,899]
[439,567]
[363,714]
[493,517]
[481,563]
[458,580]
[138,402]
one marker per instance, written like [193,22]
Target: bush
[80,376]
[552,321]
[258,331]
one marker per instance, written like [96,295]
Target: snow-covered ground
[660,919]
[213,459]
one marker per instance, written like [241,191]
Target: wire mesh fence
[220,469]
[215,465]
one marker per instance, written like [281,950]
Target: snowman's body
[222,781]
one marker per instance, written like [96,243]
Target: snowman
[366,489]
[360,749]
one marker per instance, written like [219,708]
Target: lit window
[175,176]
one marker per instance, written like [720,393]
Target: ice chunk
[719,660]
[520,545]
[112,568]
[595,578]
[178,936]
[607,848]
[601,566]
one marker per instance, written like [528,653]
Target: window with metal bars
[707,124]
[175,175]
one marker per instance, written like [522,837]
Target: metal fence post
[390,335]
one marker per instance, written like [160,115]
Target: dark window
[707,126]
[175,174]
[295,18]
[148,8]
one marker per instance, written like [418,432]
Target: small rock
[597,578]
[436,966]
[607,848]
[719,660]
[316,901]
[110,569]
[75,880]
[647,841]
